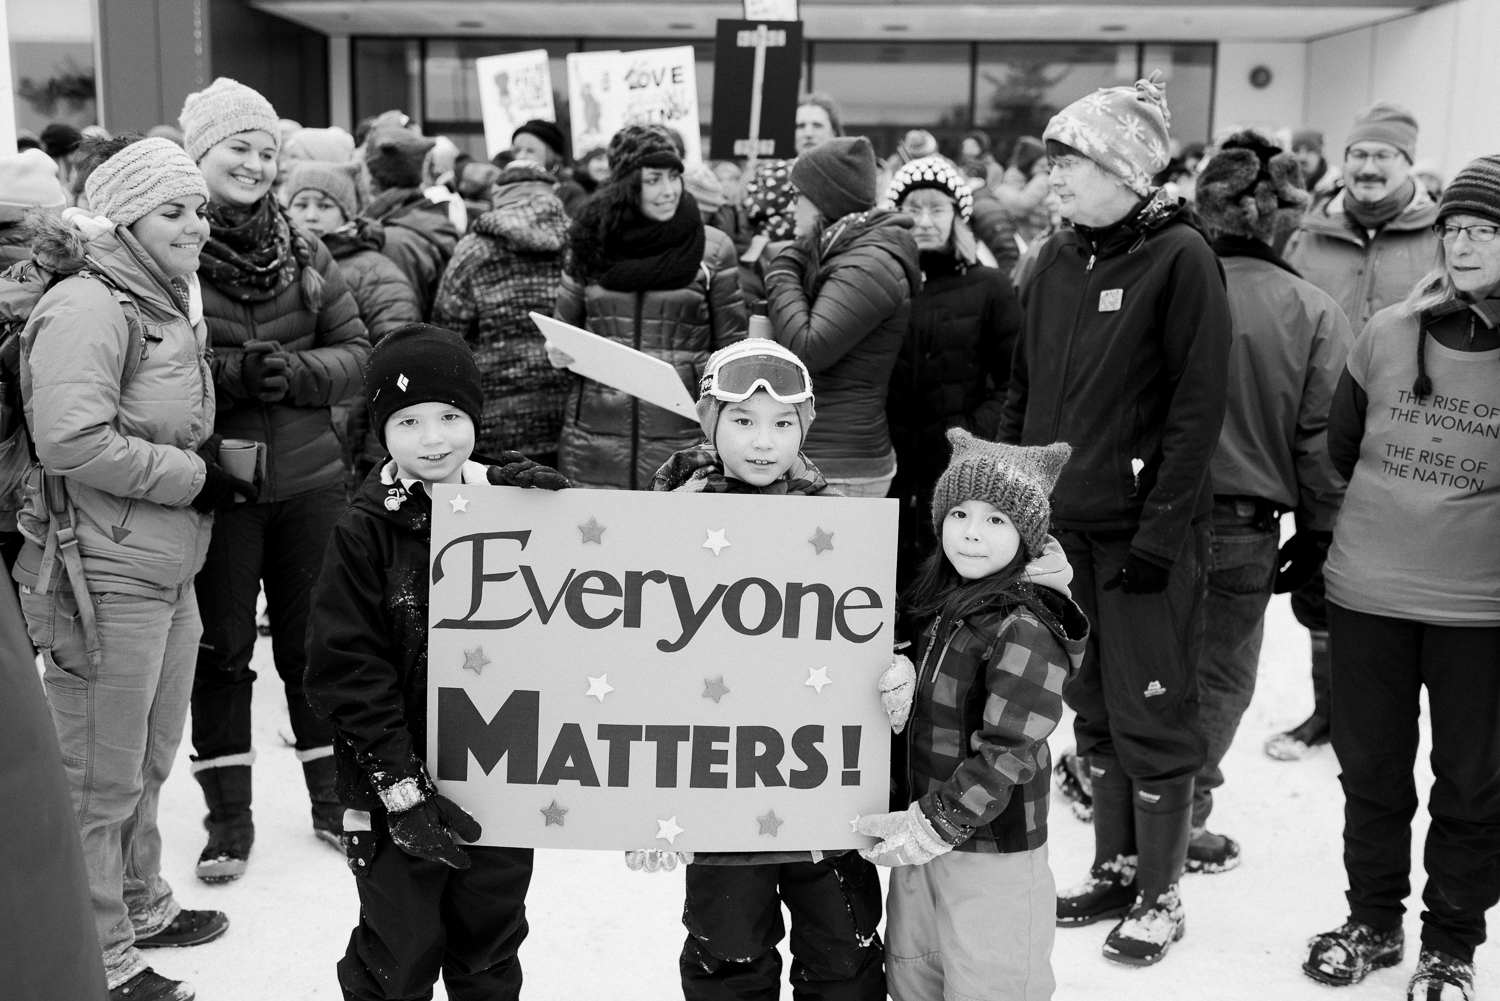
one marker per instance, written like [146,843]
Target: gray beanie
[1015,479]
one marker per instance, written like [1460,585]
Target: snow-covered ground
[601,931]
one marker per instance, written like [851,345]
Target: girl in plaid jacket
[971,902]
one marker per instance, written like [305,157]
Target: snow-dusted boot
[148,985]
[1075,784]
[1210,852]
[1110,888]
[188,928]
[327,811]
[1352,952]
[1148,931]
[230,825]
[1441,977]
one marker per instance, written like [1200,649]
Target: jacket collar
[1230,245]
[1329,217]
[1126,236]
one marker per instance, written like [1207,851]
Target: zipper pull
[1091,264]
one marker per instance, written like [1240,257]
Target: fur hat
[1247,184]
[332,145]
[394,157]
[420,363]
[637,146]
[1122,129]
[710,405]
[140,177]
[336,180]
[1386,123]
[931,172]
[1015,479]
[224,108]
[837,176]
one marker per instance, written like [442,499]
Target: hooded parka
[385,298]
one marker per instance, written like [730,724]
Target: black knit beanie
[420,363]
[637,146]
[547,133]
[838,176]
[1475,190]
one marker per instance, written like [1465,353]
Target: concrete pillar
[7,92]
[152,55]
[340,83]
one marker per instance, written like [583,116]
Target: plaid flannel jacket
[989,692]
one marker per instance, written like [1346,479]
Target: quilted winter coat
[419,237]
[385,298]
[327,356]
[609,438]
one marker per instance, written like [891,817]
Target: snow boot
[1298,742]
[1209,852]
[186,929]
[1441,977]
[1075,784]
[1352,952]
[327,811]
[148,985]
[1163,824]
[230,825]
[1109,889]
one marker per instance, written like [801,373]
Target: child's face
[979,539]
[758,438]
[430,441]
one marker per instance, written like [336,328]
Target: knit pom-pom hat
[1015,479]
[931,172]
[224,108]
[420,363]
[1122,129]
[1248,187]
[140,177]
[710,405]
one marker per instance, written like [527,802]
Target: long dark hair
[939,589]
[613,208]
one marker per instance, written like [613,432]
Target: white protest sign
[610,90]
[513,90]
[770,10]
[614,364]
[619,670]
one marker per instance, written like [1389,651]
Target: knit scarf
[249,255]
[700,470]
[1375,215]
[651,256]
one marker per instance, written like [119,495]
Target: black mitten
[1139,576]
[427,830]
[512,469]
[219,489]
[1300,559]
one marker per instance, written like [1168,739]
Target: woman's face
[1474,266]
[598,169]
[528,147]
[805,216]
[241,169]
[971,149]
[1086,194]
[661,190]
[173,234]
[316,211]
[933,213]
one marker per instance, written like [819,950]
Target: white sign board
[771,10]
[614,364]
[610,90]
[513,90]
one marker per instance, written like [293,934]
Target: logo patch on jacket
[1110,299]
[1155,688]
[118,534]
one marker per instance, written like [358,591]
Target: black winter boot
[1298,742]
[1352,952]
[148,985]
[230,825]
[327,811]
[1441,977]
[1110,887]
[1163,823]
[1072,772]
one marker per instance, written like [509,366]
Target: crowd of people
[1095,378]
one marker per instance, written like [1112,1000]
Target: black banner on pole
[776,46]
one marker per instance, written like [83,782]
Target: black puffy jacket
[954,365]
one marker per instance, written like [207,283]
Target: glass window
[1189,72]
[452,87]
[898,86]
[384,75]
[1020,86]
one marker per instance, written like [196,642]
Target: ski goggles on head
[736,379]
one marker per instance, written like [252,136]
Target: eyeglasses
[1478,233]
[1382,159]
[736,379]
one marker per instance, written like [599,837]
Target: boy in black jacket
[1124,353]
[427,905]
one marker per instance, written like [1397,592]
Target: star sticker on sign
[668,830]
[769,822]
[713,688]
[821,542]
[459,503]
[716,540]
[817,678]
[475,660]
[554,814]
[592,531]
[599,688]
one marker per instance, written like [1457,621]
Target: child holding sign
[755,406]
[427,905]
[998,636]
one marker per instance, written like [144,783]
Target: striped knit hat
[1015,479]
[222,109]
[140,177]
[1122,129]
[1474,191]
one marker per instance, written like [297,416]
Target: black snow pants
[1379,667]
[418,919]
[733,918]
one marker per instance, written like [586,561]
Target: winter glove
[1300,559]
[512,469]
[907,838]
[430,831]
[652,859]
[1138,576]
[896,687]
[219,489]
[263,371]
